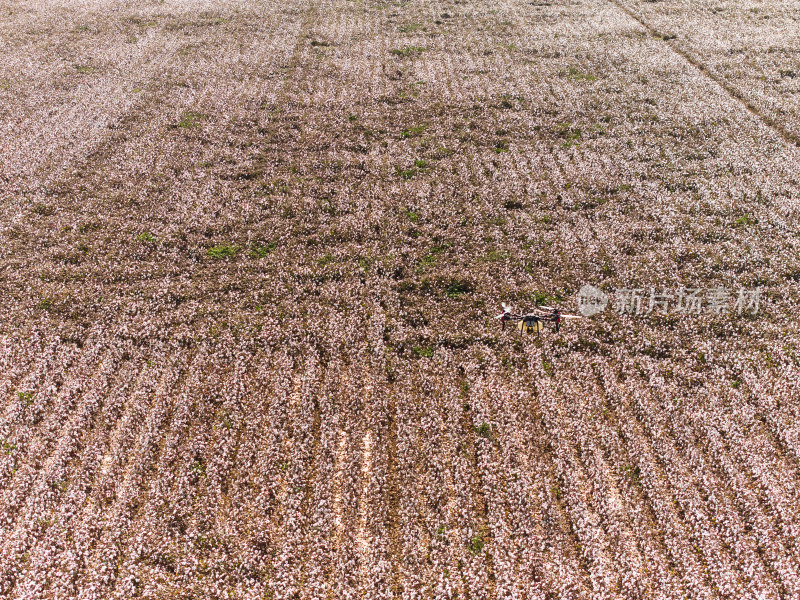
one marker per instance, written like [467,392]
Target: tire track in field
[481,504]
[543,547]
[592,540]
[362,536]
[392,497]
[605,495]
[45,444]
[672,498]
[389,523]
[338,482]
[372,511]
[619,453]
[172,380]
[684,436]
[143,459]
[305,422]
[264,161]
[72,468]
[27,539]
[701,458]
[347,563]
[42,376]
[557,505]
[732,91]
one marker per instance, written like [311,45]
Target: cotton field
[253,252]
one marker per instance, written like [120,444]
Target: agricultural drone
[534,321]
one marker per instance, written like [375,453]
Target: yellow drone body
[530,326]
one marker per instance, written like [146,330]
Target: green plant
[423,351]
[365,263]
[547,365]
[433,254]
[146,237]
[189,120]
[568,133]
[577,75]
[223,251]
[262,251]
[506,101]
[408,173]
[410,27]
[494,256]
[429,259]
[198,467]
[477,543]
[227,423]
[457,287]
[25,398]
[414,131]
[408,51]
[634,473]
[542,298]
[485,431]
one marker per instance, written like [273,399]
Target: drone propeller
[571,316]
[505,306]
[546,307]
